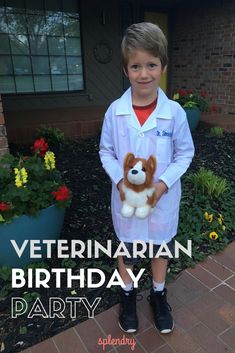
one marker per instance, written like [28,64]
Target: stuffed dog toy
[138,192]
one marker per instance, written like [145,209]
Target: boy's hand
[119,186]
[160,189]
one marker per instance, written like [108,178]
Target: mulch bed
[89,218]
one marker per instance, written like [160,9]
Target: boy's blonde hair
[144,36]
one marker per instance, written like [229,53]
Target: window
[40,46]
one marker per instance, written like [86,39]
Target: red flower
[182,92]
[203,93]
[62,194]
[40,146]
[4,206]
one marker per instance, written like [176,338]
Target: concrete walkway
[203,303]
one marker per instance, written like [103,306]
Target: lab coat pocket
[164,149]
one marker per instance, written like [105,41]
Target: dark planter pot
[193,116]
[47,225]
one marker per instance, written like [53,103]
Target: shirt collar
[163,109]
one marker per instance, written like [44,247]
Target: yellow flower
[223,228]
[213,236]
[21,177]
[208,217]
[176,96]
[220,221]
[49,160]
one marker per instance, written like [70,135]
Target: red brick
[226,293]
[69,342]
[218,270]
[165,349]
[227,313]
[3,151]
[2,120]
[208,340]
[206,278]
[224,258]
[181,341]
[187,289]
[94,332]
[45,346]
[150,340]
[137,348]
[231,282]
[229,337]
[109,323]
[185,318]
[207,302]
[3,142]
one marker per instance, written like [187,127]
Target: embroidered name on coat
[164,133]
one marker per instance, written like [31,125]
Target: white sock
[158,287]
[128,287]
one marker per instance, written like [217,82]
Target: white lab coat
[166,135]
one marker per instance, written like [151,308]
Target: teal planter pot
[193,116]
[47,225]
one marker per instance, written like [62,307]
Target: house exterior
[60,62]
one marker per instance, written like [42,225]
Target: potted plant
[193,103]
[33,198]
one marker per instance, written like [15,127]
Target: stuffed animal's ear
[152,164]
[129,159]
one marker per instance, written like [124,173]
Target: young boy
[145,122]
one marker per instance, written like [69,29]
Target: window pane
[34,6]
[58,65]
[73,46]
[54,24]
[3,23]
[40,65]
[24,84]
[53,4]
[70,5]
[38,45]
[17,23]
[6,65]
[75,82]
[19,44]
[71,24]
[36,24]
[74,65]
[59,83]
[4,44]
[22,65]
[7,84]
[15,5]
[42,83]
[56,45]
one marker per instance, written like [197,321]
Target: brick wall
[203,54]
[3,135]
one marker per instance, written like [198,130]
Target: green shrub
[216,131]
[206,182]
[52,135]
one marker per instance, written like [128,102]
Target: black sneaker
[128,320]
[161,310]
